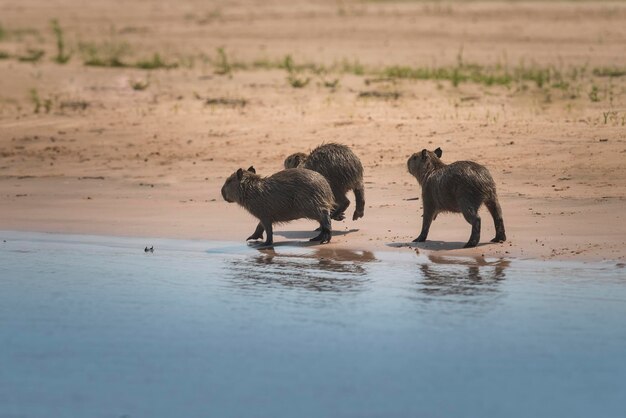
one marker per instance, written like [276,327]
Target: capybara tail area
[325,228]
[496,213]
[359,196]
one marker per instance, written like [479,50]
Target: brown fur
[343,170]
[282,197]
[462,186]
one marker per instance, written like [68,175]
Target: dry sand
[104,158]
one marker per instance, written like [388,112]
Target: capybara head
[232,186]
[424,162]
[295,160]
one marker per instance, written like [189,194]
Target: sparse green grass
[609,72]
[38,103]
[74,105]
[331,84]
[376,94]
[140,85]
[62,56]
[352,67]
[4,55]
[154,63]
[18,33]
[222,65]
[115,55]
[593,94]
[225,101]
[106,54]
[32,55]
[296,81]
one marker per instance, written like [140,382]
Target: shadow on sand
[309,234]
[434,245]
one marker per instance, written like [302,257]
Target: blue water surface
[96,327]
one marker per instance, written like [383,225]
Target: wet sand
[101,157]
[93,324]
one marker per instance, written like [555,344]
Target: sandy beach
[132,127]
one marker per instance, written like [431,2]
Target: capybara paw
[421,238]
[254,237]
[338,216]
[357,215]
[470,244]
[499,239]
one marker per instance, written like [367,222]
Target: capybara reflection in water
[282,197]
[343,170]
[462,186]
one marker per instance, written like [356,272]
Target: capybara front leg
[427,219]
[258,233]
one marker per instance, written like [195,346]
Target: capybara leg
[496,213]
[472,217]
[270,233]
[359,197]
[325,229]
[342,203]
[427,219]
[258,232]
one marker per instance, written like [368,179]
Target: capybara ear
[252,170]
[438,152]
[424,154]
[239,174]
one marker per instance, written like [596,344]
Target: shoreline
[289,249]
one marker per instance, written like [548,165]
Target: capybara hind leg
[427,219]
[496,213]
[325,229]
[342,203]
[258,232]
[359,197]
[472,217]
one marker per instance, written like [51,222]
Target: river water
[96,327]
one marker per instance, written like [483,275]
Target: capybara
[282,197]
[343,170]
[462,186]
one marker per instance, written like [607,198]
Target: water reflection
[471,276]
[323,269]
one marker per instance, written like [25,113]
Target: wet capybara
[462,186]
[343,170]
[282,197]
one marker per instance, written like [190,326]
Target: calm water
[95,327]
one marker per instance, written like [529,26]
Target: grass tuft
[107,54]
[139,85]
[386,95]
[32,55]
[609,72]
[154,63]
[62,56]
